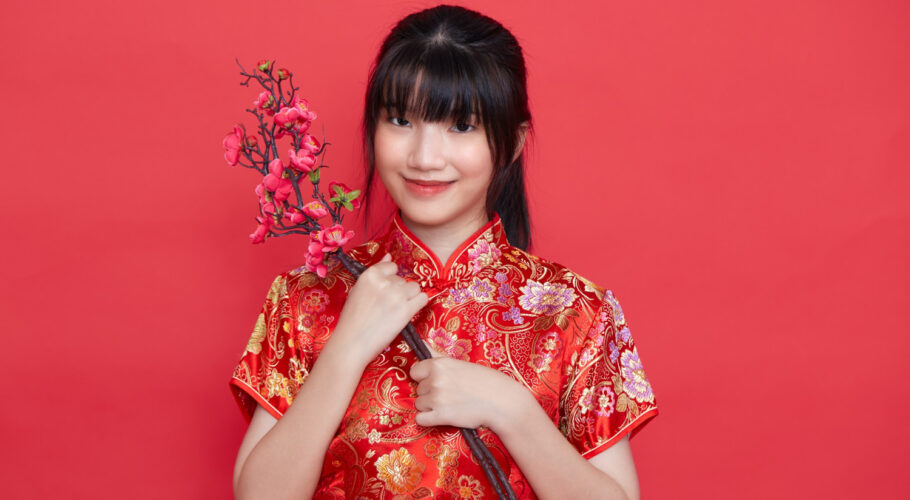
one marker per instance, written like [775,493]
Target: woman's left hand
[465,394]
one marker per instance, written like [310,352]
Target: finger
[419,301]
[422,404]
[430,418]
[423,388]
[386,258]
[386,268]
[412,288]
[420,370]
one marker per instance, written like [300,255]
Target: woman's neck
[443,239]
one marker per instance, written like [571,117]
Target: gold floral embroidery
[399,471]
[279,385]
[356,430]
[468,488]
[255,344]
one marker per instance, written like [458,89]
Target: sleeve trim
[631,426]
[250,391]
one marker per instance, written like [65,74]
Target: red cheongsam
[562,337]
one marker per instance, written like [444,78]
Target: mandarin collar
[417,261]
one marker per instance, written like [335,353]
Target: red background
[735,171]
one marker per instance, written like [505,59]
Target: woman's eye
[401,122]
[464,127]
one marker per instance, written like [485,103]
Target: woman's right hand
[377,308]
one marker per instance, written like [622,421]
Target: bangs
[435,83]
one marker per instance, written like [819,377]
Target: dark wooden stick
[480,451]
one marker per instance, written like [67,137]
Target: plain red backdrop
[736,172]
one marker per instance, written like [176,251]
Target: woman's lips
[427,188]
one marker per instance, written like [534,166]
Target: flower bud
[283,73]
[264,65]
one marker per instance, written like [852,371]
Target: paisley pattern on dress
[562,337]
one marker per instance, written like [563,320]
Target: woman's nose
[428,151]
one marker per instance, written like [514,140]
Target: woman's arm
[283,458]
[465,394]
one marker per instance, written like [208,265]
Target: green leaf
[353,194]
[347,205]
[336,199]
[314,176]
[338,190]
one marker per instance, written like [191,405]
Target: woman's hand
[377,308]
[465,394]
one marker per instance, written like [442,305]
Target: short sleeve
[608,394]
[270,370]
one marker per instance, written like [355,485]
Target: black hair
[468,64]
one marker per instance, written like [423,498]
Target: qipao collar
[416,261]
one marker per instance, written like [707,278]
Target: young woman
[537,358]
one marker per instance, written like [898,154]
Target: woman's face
[436,172]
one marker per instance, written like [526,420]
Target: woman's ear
[522,134]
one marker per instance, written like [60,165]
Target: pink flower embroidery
[494,351]
[483,254]
[449,343]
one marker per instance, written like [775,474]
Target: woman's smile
[426,188]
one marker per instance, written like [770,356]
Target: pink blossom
[303,106]
[315,210]
[231,143]
[287,124]
[295,118]
[311,144]
[268,208]
[261,193]
[315,246]
[302,160]
[262,230]
[280,187]
[273,179]
[315,257]
[265,102]
[334,237]
[294,215]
